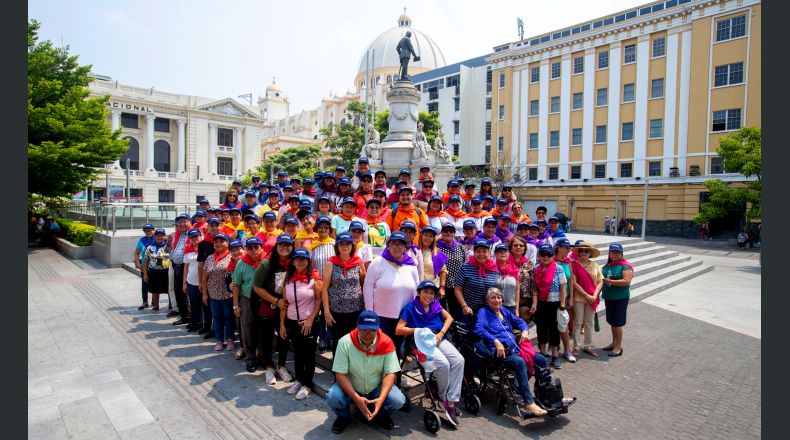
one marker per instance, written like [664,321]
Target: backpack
[419,215]
[548,390]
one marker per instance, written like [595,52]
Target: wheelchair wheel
[472,404]
[501,403]
[432,422]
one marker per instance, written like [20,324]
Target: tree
[740,153]
[430,121]
[302,161]
[66,132]
[345,141]
[507,172]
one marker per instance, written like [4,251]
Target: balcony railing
[118,216]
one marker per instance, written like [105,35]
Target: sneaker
[143,306]
[322,346]
[548,351]
[556,362]
[450,413]
[303,393]
[293,389]
[231,345]
[457,411]
[171,313]
[218,346]
[155,308]
[339,426]
[283,374]
[269,376]
[570,357]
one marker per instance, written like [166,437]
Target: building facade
[596,109]
[182,148]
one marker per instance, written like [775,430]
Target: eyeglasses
[397,245]
[427,186]
[368,331]
[517,246]
[585,251]
[344,243]
[545,255]
[448,231]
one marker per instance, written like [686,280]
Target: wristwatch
[235,307]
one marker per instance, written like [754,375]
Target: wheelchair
[431,416]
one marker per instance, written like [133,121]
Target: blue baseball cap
[344,236]
[255,176]
[373,200]
[285,238]
[288,187]
[425,167]
[553,218]
[489,220]
[398,235]
[448,225]
[325,198]
[222,236]
[427,228]
[488,197]
[323,219]
[405,188]
[363,160]
[454,198]
[301,252]
[507,186]
[269,215]
[545,247]
[485,180]
[292,220]
[226,210]
[356,225]
[404,171]
[254,240]
[382,172]
[348,200]
[470,224]
[482,242]
[363,175]
[427,284]
[319,176]
[234,243]
[468,184]
[368,320]
[282,173]
[408,224]
[578,242]
[453,182]
[204,201]
[185,215]
[249,193]
[460,179]
[435,199]
[504,216]
[213,220]
[428,179]
[305,204]
[148,226]
[296,178]
[501,247]
[612,247]
[344,181]
[543,220]
[294,196]
[501,201]
[254,217]
[200,212]
[194,232]
[159,231]
[237,209]
[477,199]
[329,174]
[340,168]
[562,241]
[381,190]
[273,193]
[306,181]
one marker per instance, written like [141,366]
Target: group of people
[42,227]
[355,267]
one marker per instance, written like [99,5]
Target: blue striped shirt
[474,285]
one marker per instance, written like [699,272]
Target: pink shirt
[305,296]
[387,290]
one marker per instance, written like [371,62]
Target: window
[501,144]
[167,196]
[488,153]
[576,172]
[130,120]
[656,128]
[162,124]
[501,112]
[433,107]
[389,79]
[659,47]
[533,141]
[727,120]
[628,93]
[578,65]
[162,156]
[225,166]
[533,107]
[132,153]
[488,131]
[603,59]
[456,127]
[534,75]
[554,139]
[728,74]
[224,137]
[602,98]
[600,171]
[555,104]
[628,131]
[533,174]
[578,101]
[456,150]
[452,81]
[576,136]
[501,80]
[625,169]
[554,173]
[457,104]
[716,165]
[657,88]
[629,54]
[556,69]
[600,134]
[654,168]
[488,103]
[731,28]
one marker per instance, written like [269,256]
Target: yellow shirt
[427,261]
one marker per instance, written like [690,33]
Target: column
[116,124]
[543,122]
[514,127]
[683,103]
[642,96]
[239,145]
[613,128]
[212,149]
[149,142]
[670,101]
[588,122]
[181,145]
[523,144]
[566,102]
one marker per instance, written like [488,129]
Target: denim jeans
[339,402]
[196,299]
[326,332]
[224,319]
[519,366]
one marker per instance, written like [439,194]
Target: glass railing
[113,217]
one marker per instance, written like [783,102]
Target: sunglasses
[427,186]
[585,251]
[320,228]
[517,246]
[545,255]
[397,245]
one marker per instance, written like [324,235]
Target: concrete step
[688,272]
[652,263]
[603,241]
[633,255]
[130,268]
[654,276]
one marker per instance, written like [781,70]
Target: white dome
[431,56]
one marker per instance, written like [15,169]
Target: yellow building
[641,95]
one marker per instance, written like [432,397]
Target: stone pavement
[98,368]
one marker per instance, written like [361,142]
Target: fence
[113,217]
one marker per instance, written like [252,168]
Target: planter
[73,251]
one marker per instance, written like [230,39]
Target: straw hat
[585,245]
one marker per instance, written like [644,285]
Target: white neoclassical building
[182,148]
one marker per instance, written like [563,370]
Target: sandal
[607,348]
[613,354]
[239,354]
[591,352]
[575,351]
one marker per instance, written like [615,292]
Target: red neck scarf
[208,238]
[247,259]
[435,214]
[364,193]
[495,212]
[293,211]
[303,277]
[346,217]
[585,281]
[489,266]
[518,263]
[352,262]
[543,279]
[459,214]
[232,264]
[384,344]
[274,208]
[482,214]
[371,220]
[189,249]
[517,220]
[466,196]
[283,263]
[217,257]
[621,263]
[509,269]
[566,260]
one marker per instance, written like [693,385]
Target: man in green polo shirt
[246,304]
[365,365]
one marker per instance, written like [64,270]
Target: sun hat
[586,245]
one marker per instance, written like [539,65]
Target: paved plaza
[99,368]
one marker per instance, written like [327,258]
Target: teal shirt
[244,276]
[615,292]
[567,268]
[365,372]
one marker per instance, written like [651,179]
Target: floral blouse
[526,276]
[216,277]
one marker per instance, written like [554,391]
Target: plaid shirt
[178,250]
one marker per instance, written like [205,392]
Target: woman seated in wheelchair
[426,312]
[495,325]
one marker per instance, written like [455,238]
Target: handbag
[314,330]
[562,320]
[268,309]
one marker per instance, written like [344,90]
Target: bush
[78,233]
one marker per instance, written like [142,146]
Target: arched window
[394,77]
[358,120]
[315,137]
[389,79]
[162,156]
[378,78]
[343,121]
[133,153]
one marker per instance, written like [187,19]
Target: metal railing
[119,216]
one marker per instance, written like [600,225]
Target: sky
[230,48]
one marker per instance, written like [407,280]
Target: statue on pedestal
[420,143]
[405,51]
[372,144]
[441,150]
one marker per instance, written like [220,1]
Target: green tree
[302,161]
[740,153]
[430,121]
[66,133]
[345,141]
